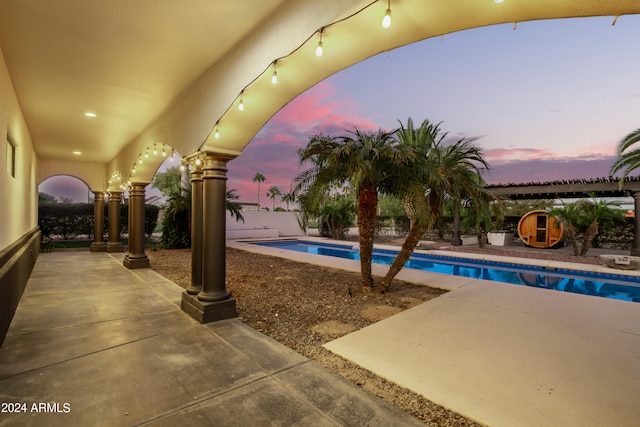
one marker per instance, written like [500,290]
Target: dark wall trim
[16,264]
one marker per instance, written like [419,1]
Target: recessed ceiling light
[90,114]
[77,153]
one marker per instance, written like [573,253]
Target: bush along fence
[68,221]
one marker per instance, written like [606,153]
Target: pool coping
[246,244]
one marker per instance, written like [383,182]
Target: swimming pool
[614,286]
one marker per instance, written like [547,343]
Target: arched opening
[547,99]
[65,189]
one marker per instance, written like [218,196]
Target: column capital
[225,157]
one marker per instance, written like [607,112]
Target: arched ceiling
[165,72]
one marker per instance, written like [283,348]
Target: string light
[241,104]
[198,161]
[146,154]
[171,158]
[140,160]
[498,1]
[164,153]
[386,21]
[155,150]
[319,48]
[216,135]
[274,77]
[133,170]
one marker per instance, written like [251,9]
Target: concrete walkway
[95,344]
[504,355]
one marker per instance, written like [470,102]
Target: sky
[549,100]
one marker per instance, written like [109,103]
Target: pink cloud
[273,151]
[500,154]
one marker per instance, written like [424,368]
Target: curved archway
[350,33]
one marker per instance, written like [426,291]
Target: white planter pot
[470,239]
[500,238]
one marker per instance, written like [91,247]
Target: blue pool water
[597,284]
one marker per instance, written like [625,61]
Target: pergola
[577,188]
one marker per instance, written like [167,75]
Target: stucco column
[135,257]
[196,231]
[214,301]
[98,244]
[114,244]
[635,247]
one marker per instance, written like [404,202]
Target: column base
[98,247]
[132,263]
[206,312]
[114,247]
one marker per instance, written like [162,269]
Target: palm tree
[365,160]
[572,217]
[258,178]
[599,213]
[338,216]
[288,198]
[588,216]
[272,193]
[234,208]
[628,159]
[438,171]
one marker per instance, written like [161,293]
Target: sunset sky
[550,100]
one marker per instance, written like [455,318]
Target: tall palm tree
[258,178]
[288,198]
[272,193]
[438,171]
[628,158]
[365,160]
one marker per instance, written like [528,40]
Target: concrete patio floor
[95,344]
[504,355]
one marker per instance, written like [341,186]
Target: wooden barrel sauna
[539,230]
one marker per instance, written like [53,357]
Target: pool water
[581,282]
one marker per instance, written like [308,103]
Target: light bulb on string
[171,157]
[146,154]
[155,150]
[216,134]
[386,21]
[319,47]
[140,160]
[274,77]
[241,104]
[164,153]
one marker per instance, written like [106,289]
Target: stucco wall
[19,195]
[263,224]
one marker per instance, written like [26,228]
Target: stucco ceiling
[123,60]
[162,71]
